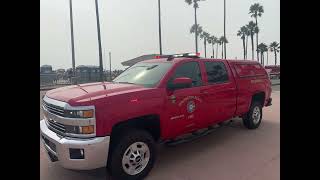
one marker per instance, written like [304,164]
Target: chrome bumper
[95,149]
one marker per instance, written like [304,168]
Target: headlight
[79,113]
[80,129]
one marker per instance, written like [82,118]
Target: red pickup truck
[116,124]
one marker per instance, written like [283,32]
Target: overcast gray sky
[129,28]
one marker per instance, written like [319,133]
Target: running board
[195,135]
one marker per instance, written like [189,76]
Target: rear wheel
[252,119]
[134,156]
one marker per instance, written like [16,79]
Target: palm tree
[256,31]
[205,36]
[247,33]
[261,49]
[196,29]
[212,40]
[275,47]
[252,29]
[242,35]
[195,6]
[223,40]
[218,42]
[256,11]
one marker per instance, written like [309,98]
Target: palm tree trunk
[257,38]
[261,53]
[196,33]
[252,47]
[244,48]
[267,57]
[217,51]
[247,37]
[275,57]
[205,47]
[212,51]
[222,50]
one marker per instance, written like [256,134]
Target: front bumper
[58,148]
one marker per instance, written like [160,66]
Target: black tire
[248,120]
[115,166]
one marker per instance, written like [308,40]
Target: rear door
[219,92]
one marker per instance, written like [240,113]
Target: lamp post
[99,42]
[72,40]
[160,43]
[110,66]
[224,29]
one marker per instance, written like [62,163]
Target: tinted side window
[190,70]
[216,72]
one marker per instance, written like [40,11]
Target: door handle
[204,93]
[172,97]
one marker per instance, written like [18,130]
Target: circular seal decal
[191,106]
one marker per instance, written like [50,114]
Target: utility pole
[99,42]
[105,63]
[196,32]
[160,43]
[224,30]
[110,66]
[267,56]
[72,41]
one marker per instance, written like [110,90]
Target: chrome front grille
[53,108]
[56,121]
[56,127]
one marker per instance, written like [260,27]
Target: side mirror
[181,82]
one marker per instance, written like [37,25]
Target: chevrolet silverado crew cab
[117,124]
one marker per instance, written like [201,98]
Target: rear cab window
[249,70]
[216,72]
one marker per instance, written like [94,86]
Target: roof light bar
[170,57]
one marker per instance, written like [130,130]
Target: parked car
[117,124]
[273,71]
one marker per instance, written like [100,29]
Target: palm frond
[188,2]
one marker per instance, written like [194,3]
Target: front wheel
[253,118]
[134,156]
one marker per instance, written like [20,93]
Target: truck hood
[90,91]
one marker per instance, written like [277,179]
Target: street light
[72,41]
[99,42]
[224,29]
[110,66]
[160,43]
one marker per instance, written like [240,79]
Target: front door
[184,106]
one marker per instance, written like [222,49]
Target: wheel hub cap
[135,158]
[256,115]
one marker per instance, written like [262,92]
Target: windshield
[146,74]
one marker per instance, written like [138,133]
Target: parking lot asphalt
[230,153]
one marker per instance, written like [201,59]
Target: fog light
[76,153]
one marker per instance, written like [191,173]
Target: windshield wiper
[124,82]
